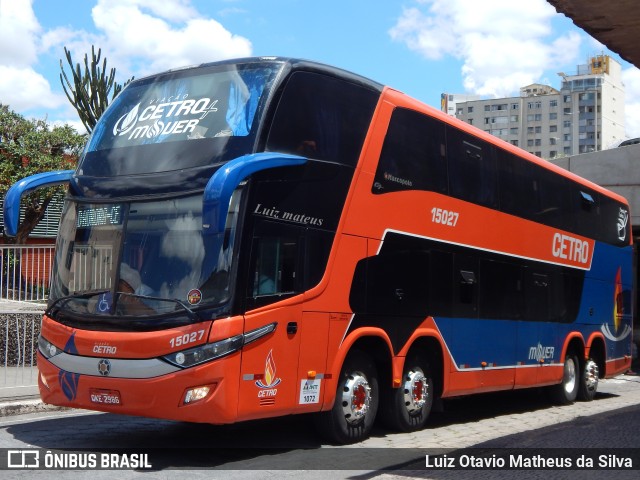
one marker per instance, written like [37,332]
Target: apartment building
[585,115]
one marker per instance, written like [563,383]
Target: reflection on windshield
[151,260]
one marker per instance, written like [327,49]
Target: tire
[356,405]
[566,391]
[589,378]
[407,408]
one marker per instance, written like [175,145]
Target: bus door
[269,370]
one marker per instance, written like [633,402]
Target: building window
[513,131]
[469,109]
[553,116]
[566,124]
[487,108]
[553,141]
[567,99]
[530,142]
[553,128]
[553,154]
[538,142]
[514,142]
[553,103]
[567,111]
[515,106]
[567,137]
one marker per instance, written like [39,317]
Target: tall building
[449,101]
[585,115]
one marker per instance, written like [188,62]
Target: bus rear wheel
[407,408]
[356,405]
[566,391]
[589,378]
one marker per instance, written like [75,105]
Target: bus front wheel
[407,408]
[356,405]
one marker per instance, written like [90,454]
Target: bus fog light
[195,394]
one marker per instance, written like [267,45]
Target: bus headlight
[46,348]
[211,351]
[205,353]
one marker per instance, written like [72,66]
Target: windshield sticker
[175,117]
[194,296]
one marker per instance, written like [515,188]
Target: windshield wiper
[49,311]
[193,316]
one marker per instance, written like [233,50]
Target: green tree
[28,147]
[89,93]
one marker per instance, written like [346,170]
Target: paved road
[283,447]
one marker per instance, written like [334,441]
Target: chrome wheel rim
[569,375]
[416,391]
[591,375]
[356,397]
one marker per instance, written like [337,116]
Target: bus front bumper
[204,394]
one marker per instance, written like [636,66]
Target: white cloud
[144,37]
[136,36]
[17,21]
[503,44]
[23,89]
[631,80]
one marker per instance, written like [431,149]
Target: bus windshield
[181,119]
[141,259]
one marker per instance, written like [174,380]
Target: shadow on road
[281,443]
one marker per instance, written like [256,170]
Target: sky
[421,47]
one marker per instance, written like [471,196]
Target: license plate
[105,397]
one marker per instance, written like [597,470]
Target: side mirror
[11,207]
[217,193]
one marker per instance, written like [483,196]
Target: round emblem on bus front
[194,296]
[104,367]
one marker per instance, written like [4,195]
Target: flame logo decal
[126,122]
[618,312]
[270,379]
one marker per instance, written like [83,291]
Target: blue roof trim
[11,207]
[217,194]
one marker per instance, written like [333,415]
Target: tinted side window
[413,154]
[322,117]
[275,263]
[472,169]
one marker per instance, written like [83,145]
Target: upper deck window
[322,117]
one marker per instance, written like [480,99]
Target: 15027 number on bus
[444,217]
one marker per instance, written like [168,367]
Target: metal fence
[25,272]
[19,330]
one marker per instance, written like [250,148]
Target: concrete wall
[617,169]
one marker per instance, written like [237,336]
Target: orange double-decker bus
[268,236]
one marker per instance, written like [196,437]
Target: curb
[23,407]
